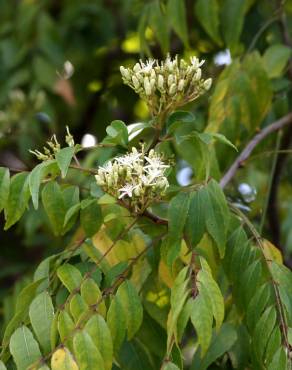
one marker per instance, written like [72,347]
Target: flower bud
[135,82]
[99,180]
[137,191]
[172,89]
[160,82]
[198,74]
[152,83]
[181,85]
[151,153]
[147,86]
[152,75]
[195,62]
[137,68]
[207,84]
[125,73]
[170,80]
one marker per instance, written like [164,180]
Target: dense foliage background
[59,65]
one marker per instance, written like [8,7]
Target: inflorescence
[53,147]
[135,177]
[166,85]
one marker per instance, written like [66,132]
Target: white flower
[147,181]
[129,159]
[155,163]
[147,67]
[107,168]
[127,190]
[196,63]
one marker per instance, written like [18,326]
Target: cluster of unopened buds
[53,147]
[136,177]
[168,84]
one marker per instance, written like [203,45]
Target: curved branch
[277,125]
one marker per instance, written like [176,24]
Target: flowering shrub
[155,273]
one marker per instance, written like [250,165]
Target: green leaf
[134,356]
[87,355]
[177,119]
[224,140]
[202,319]
[77,306]
[275,59]
[132,307]
[273,345]
[177,216]
[159,25]
[236,101]
[207,12]
[263,330]
[178,297]
[64,158]
[4,186]
[18,199]
[91,217]
[23,302]
[217,216]
[70,276]
[279,361]
[221,343]
[43,272]
[196,218]
[36,176]
[206,281]
[97,328]
[71,214]
[24,348]
[232,18]
[92,295]
[62,359]
[54,206]
[65,327]
[41,314]
[176,13]
[142,26]
[183,319]
[118,133]
[54,335]
[116,320]
[170,366]
[2,366]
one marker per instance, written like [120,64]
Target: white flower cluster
[135,177]
[168,84]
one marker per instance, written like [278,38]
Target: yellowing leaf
[165,274]
[62,359]
[272,252]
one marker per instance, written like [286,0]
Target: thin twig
[277,125]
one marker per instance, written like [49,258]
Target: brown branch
[277,125]
[156,219]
